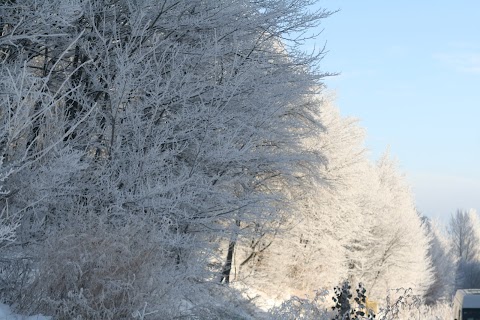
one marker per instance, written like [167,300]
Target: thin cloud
[464,46]
[461,62]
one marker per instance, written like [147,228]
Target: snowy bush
[302,308]
[403,304]
[400,304]
[99,274]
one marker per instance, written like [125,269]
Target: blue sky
[410,71]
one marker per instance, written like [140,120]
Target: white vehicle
[466,304]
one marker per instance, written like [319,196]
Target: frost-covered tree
[308,254]
[463,230]
[145,135]
[442,287]
[394,251]
[358,223]
[312,253]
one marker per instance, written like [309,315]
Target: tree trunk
[228,263]
[227,268]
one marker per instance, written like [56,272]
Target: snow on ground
[7,314]
[260,298]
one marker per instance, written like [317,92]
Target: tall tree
[463,230]
[443,264]
[394,251]
[312,253]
